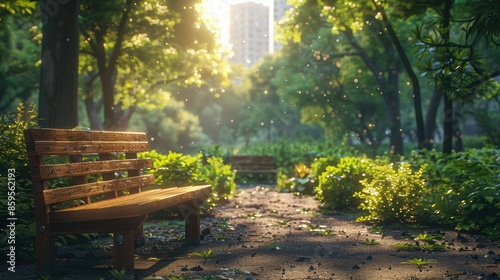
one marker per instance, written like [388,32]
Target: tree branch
[120,36]
[483,79]
[364,56]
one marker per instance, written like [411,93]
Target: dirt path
[263,234]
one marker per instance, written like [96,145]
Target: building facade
[249,32]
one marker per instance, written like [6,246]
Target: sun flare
[217,15]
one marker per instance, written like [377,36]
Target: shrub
[392,193]
[464,187]
[319,165]
[338,183]
[175,169]
[14,156]
[221,176]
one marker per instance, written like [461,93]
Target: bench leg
[123,248]
[191,213]
[139,236]
[45,252]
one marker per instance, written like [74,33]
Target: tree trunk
[417,102]
[93,113]
[448,125]
[123,116]
[389,87]
[59,71]
[430,120]
[457,133]
[391,98]
[91,107]
[448,103]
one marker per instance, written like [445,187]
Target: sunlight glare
[218,12]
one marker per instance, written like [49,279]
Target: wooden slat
[252,158]
[79,191]
[50,134]
[47,148]
[253,164]
[133,205]
[96,226]
[255,171]
[88,168]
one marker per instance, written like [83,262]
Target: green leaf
[490,219]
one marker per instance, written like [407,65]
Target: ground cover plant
[459,190]
[15,157]
[338,183]
[464,187]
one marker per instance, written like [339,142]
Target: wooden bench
[97,185]
[261,166]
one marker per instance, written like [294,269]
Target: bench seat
[95,181]
[254,165]
[131,205]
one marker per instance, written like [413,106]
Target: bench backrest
[84,166]
[253,162]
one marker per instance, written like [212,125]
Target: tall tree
[59,72]
[20,53]
[135,48]
[330,89]
[452,56]
[360,25]
[417,99]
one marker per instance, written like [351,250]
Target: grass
[234,271]
[492,233]
[406,247]
[205,255]
[177,278]
[224,225]
[377,229]
[319,230]
[423,247]
[220,237]
[254,215]
[282,223]
[118,274]
[433,247]
[425,237]
[371,242]
[273,246]
[420,263]
[178,236]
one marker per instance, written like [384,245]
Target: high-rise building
[249,32]
[279,9]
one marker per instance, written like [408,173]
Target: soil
[264,234]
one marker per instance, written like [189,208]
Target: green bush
[14,157]
[175,169]
[338,183]
[319,165]
[464,187]
[221,176]
[393,193]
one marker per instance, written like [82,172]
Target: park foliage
[326,82]
[459,190]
